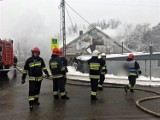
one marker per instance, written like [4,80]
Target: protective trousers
[34,91]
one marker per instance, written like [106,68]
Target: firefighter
[65,64]
[58,71]
[34,67]
[103,72]
[95,65]
[133,70]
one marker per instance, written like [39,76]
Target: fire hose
[70,82]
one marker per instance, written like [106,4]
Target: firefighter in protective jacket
[58,72]
[95,66]
[34,67]
[65,64]
[133,70]
[103,71]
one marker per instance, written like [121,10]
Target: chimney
[80,32]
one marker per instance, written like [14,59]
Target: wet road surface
[113,104]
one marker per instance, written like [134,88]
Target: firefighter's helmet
[103,55]
[55,51]
[131,56]
[95,53]
[36,49]
[60,52]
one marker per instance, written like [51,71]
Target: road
[113,104]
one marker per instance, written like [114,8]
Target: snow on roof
[87,57]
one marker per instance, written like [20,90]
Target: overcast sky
[26,15]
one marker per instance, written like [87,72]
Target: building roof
[98,29]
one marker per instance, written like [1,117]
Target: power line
[77,13]
[70,18]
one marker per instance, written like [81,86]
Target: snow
[142,80]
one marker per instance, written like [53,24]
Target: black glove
[23,81]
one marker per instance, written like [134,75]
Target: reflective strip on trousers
[132,74]
[129,85]
[44,68]
[57,76]
[99,85]
[63,93]
[35,78]
[36,96]
[94,76]
[55,93]
[31,98]
[94,93]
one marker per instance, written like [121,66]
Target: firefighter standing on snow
[58,71]
[103,72]
[134,71]
[33,67]
[95,66]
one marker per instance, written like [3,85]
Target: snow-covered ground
[142,80]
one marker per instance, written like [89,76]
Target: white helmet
[103,55]
[95,53]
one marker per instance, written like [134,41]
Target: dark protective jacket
[104,68]
[56,66]
[95,67]
[34,67]
[65,63]
[132,67]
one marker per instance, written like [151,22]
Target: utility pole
[63,27]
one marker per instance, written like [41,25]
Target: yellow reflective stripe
[31,65]
[134,74]
[94,93]
[103,68]
[58,76]
[25,71]
[31,98]
[55,93]
[35,78]
[36,96]
[94,76]
[53,64]
[63,68]
[44,68]
[103,73]
[63,93]
[99,85]
[35,64]
[94,66]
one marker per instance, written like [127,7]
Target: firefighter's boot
[56,97]
[132,90]
[126,88]
[93,97]
[100,87]
[65,97]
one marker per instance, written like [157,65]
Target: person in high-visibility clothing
[58,72]
[34,67]
[103,72]
[95,65]
[133,69]
[65,64]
